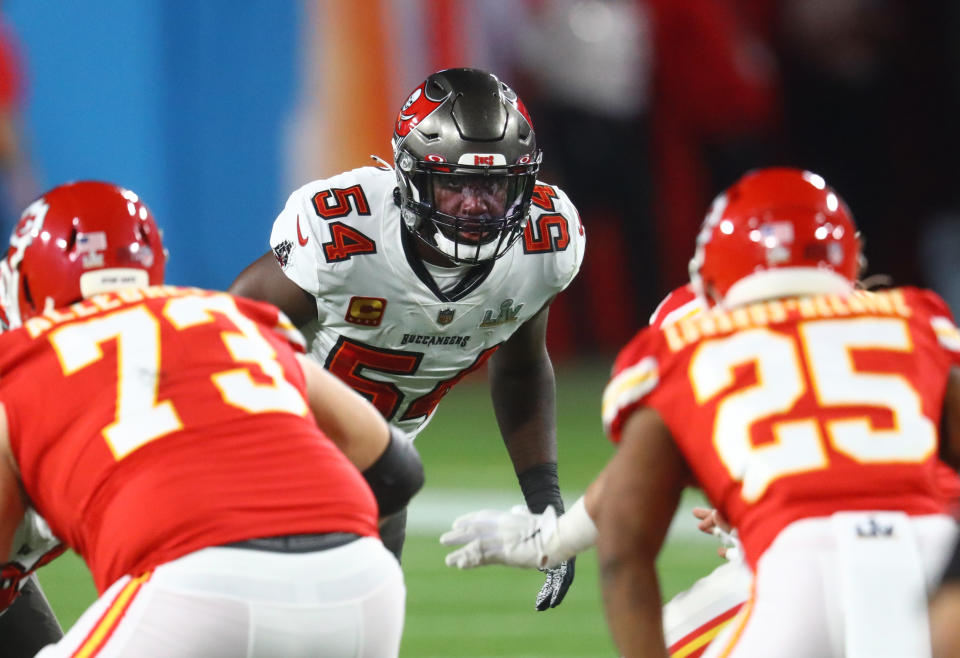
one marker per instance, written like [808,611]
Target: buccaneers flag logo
[417,108]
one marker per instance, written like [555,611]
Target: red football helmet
[75,241]
[776,232]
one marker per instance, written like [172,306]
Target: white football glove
[730,542]
[516,538]
[519,538]
[713,523]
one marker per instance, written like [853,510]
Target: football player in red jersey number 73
[814,416]
[406,279]
[183,459]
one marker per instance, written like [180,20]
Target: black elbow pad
[396,475]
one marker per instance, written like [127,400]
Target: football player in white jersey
[406,279]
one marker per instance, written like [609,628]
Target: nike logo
[302,240]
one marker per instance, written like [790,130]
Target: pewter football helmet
[465,128]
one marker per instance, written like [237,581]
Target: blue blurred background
[215,111]
[184,102]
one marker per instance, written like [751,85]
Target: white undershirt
[446,278]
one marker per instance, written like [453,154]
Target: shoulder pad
[555,228]
[635,375]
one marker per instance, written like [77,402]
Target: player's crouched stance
[183,459]
[813,415]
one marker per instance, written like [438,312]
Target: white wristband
[575,533]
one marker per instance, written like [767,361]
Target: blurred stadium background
[214,111]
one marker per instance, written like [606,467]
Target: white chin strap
[450,248]
[785,282]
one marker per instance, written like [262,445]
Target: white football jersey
[383,326]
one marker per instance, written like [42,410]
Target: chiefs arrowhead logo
[302,240]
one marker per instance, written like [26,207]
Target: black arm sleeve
[396,475]
[541,487]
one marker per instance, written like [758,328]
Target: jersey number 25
[825,347]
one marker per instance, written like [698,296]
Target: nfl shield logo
[445,316]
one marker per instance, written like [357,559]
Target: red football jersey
[151,423]
[798,408]
[680,303]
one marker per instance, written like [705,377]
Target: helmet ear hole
[71,240]
[25,288]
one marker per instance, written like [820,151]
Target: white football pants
[240,603]
[853,585]
[692,618]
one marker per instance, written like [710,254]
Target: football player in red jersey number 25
[183,459]
[815,417]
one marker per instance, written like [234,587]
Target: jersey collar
[477,275]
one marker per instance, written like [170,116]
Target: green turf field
[487,612]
